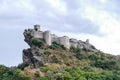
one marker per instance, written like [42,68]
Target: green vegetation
[55,45]
[22,66]
[55,59]
[37,74]
[75,73]
[90,66]
[9,74]
[46,52]
[63,64]
[38,42]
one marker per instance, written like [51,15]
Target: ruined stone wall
[80,44]
[65,41]
[55,38]
[73,42]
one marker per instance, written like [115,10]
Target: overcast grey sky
[97,20]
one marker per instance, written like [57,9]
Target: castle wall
[55,38]
[80,44]
[38,34]
[73,42]
[65,41]
[47,37]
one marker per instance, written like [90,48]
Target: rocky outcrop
[32,56]
[33,37]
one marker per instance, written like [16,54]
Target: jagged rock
[32,56]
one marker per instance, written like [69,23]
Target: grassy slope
[73,64]
[78,64]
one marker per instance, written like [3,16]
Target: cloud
[103,1]
[109,27]
[50,13]
[59,5]
[97,20]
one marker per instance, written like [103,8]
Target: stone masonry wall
[66,41]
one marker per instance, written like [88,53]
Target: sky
[96,20]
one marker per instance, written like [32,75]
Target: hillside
[56,62]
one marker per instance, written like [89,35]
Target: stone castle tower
[37,33]
[47,37]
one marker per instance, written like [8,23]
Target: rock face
[33,37]
[32,56]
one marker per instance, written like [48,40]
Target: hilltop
[44,42]
[61,58]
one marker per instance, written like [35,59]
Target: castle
[66,41]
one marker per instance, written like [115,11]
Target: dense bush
[22,66]
[3,69]
[100,61]
[75,73]
[9,74]
[46,52]
[55,59]
[38,42]
[72,49]
[93,57]
[37,74]
[56,45]
[85,49]
[106,64]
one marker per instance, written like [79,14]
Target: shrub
[37,42]
[93,57]
[46,52]
[22,66]
[56,45]
[63,47]
[72,49]
[19,75]
[15,75]
[81,56]
[67,76]
[43,69]
[106,64]
[64,56]
[85,49]
[55,59]
[3,69]
[37,74]
[75,50]
[42,78]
